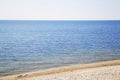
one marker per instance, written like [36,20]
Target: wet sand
[108,70]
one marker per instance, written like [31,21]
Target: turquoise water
[34,45]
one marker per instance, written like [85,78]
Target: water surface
[34,45]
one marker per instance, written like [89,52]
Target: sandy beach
[107,70]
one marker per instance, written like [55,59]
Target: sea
[31,45]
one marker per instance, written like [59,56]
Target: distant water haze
[34,45]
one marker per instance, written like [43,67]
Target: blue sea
[37,45]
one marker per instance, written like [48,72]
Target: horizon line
[59,20]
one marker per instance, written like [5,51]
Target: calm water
[33,45]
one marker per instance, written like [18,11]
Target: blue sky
[60,9]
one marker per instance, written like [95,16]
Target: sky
[59,9]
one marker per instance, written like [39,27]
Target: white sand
[105,73]
[109,70]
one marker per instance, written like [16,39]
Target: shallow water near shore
[34,45]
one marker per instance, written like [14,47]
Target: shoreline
[61,70]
